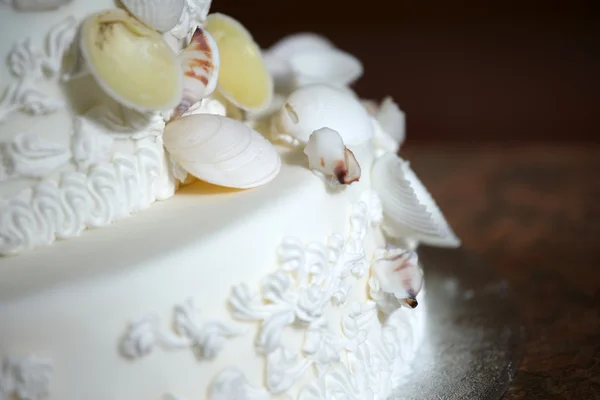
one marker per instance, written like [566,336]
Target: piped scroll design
[29,66]
[205,339]
[25,378]
[105,186]
[363,359]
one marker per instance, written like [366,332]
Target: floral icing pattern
[30,65]
[25,378]
[205,339]
[362,360]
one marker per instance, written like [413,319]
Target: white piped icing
[25,378]
[204,339]
[358,358]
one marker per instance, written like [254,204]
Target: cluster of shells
[160,57]
[221,96]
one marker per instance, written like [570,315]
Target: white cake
[291,276]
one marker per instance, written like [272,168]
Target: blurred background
[502,102]
[473,70]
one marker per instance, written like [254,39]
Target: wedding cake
[281,263]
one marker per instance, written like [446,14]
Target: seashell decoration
[131,62]
[38,5]
[200,62]
[160,15]
[243,78]
[330,159]
[392,120]
[408,208]
[398,274]
[277,56]
[331,66]
[315,106]
[221,151]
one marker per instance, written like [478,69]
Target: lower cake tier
[214,294]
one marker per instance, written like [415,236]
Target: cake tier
[213,294]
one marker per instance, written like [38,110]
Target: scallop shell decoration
[316,106]
[131,62]
[160,15]
[200,62]
[330,159]
[221,151]
[399,278]
[243,78]
[408,208]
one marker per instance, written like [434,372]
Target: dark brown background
[502,112]
[470,70]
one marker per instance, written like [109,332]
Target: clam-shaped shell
[131,62]
[243,77]
[160,15]
[221,151]
[316,106]
[409,210]
[200,62]
[331,66]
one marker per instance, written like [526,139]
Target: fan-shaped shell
[316,106]
[243,77]
[221,151]
[160,15]
[408,208]
[131,62]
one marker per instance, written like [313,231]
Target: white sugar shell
[392,120]
[221,151]
[131,62]
[316,106]
[160,15]
[409,210]
[331,66]
[329,158]
[200,61]
[277,56]
[296,43]
[399,274]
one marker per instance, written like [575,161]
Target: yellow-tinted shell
[243,78]
[131,62]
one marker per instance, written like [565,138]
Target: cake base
[474,338]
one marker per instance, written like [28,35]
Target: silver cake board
[474,336]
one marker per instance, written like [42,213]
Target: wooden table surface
[532,212]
